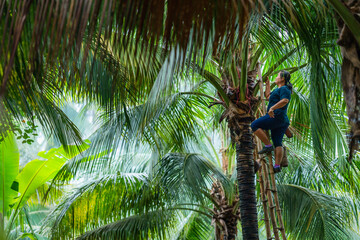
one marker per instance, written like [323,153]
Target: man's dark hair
[286,75]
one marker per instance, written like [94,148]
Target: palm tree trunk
[246,183]
[239,123]
[350,74]
[226,215]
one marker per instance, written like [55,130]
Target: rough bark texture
[239,116]
[239,122]
[225,216]
[350,76]
[246,180]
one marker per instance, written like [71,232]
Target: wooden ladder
[270,200]
[268,190]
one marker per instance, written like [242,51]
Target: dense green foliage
[156,149]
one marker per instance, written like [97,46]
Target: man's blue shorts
[277,126]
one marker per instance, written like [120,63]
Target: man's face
[279,79]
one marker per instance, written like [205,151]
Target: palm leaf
[143,226]
[309,214]
[189,175]
[105,193]
[56,30]
[170,125]
[197,227]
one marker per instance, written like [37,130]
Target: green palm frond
[100,200]
[151,225]
[213,79]
[311,215]
[57,29]
[114,76]
[38,102]
[198,227]
[173,123]
[315,202]
[190,175]
[128,199]
[279,62]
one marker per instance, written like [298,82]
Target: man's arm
[278,105]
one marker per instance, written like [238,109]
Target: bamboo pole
[277,204]
[264,200]
[270,199]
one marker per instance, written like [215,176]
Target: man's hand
[271,112]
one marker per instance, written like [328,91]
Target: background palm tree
[201,92]
[348,22]
[32,69]
[121,117]
[181,177]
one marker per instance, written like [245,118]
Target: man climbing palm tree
[276,117]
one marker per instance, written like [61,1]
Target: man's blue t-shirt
[275,97]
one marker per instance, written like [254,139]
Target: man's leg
[262,136]
[258,126]
[279,153]
[288,133]
[277,137]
